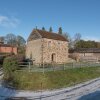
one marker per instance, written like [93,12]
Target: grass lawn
[53,80]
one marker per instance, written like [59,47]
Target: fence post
[41,92]
[29,67]
[72,64]
[43,68]
[80,64]
[54,66]
[64,66]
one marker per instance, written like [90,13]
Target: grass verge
[53,80]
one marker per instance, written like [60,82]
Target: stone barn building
[85,54]
[46,47]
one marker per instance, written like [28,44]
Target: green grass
[54,80]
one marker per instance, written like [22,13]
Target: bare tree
[77,38]
[10,39]
[20,41]
[70,42]
[2,39]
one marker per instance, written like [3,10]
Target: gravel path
[87,90]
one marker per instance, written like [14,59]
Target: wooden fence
[54,66]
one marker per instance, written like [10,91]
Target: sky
[20,17]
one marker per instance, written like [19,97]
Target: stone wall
[33,50]
[55,51]
[86,56]
[47,51]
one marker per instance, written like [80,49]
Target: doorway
[53,57]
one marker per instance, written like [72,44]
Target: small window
[53,57]
[59,46]
[49,43]
[58,43]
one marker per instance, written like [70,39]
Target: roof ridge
[47,31]
[49,35]
[50,32]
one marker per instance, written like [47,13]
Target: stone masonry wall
[42,50]
[33,50]
[56,47]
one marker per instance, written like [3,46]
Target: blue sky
[74,16]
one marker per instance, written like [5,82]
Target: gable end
[34,35]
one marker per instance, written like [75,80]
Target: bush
[1,59]
[3,56]
[20,57]
[10,65]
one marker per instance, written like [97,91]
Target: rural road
[89,90]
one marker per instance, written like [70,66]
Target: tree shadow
[9,93]
[92,96]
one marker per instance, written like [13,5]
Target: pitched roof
[48,35]
[86,50]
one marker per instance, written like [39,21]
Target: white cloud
[91,38]
[8,21]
